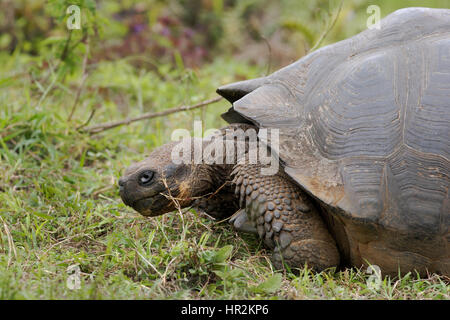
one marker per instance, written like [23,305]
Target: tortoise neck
[210,178]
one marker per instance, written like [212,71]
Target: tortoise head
[154,185]
[172,177]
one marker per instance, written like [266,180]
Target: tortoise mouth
[151,206]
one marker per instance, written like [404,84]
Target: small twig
[57,244]
[12,248]
[62,57]
[49,88]
[330,26]
[83,80]
[66,47]
[226,183]
[186,210]
[178,206]
[269,50]
[209,195]
[228,218]
[101,190]
[94,109]
[85,36]
[109,125]
[150,264]
[269,58]
[169,196]
[164,276]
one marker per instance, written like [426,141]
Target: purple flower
[188,32]
[165,31]
[138,27]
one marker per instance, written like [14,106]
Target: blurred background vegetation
[135,52]
[193,31]
[59,204]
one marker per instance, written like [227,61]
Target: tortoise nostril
[121,182]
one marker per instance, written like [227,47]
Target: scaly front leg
[285,219]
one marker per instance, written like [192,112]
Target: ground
[65,233]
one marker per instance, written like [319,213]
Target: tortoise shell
[364,127]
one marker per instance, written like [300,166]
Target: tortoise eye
[145,178]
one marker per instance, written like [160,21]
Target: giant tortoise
[364,147]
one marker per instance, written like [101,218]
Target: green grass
[60,207]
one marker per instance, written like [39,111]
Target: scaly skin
[285,219]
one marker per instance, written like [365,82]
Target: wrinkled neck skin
[210,170]
[208,178]
[209,184]
[213,194]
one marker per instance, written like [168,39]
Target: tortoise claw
[241,223]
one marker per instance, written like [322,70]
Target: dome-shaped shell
[364,123]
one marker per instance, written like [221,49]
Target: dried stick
[327,30]
[109,125]
[12,248]
[94,109]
